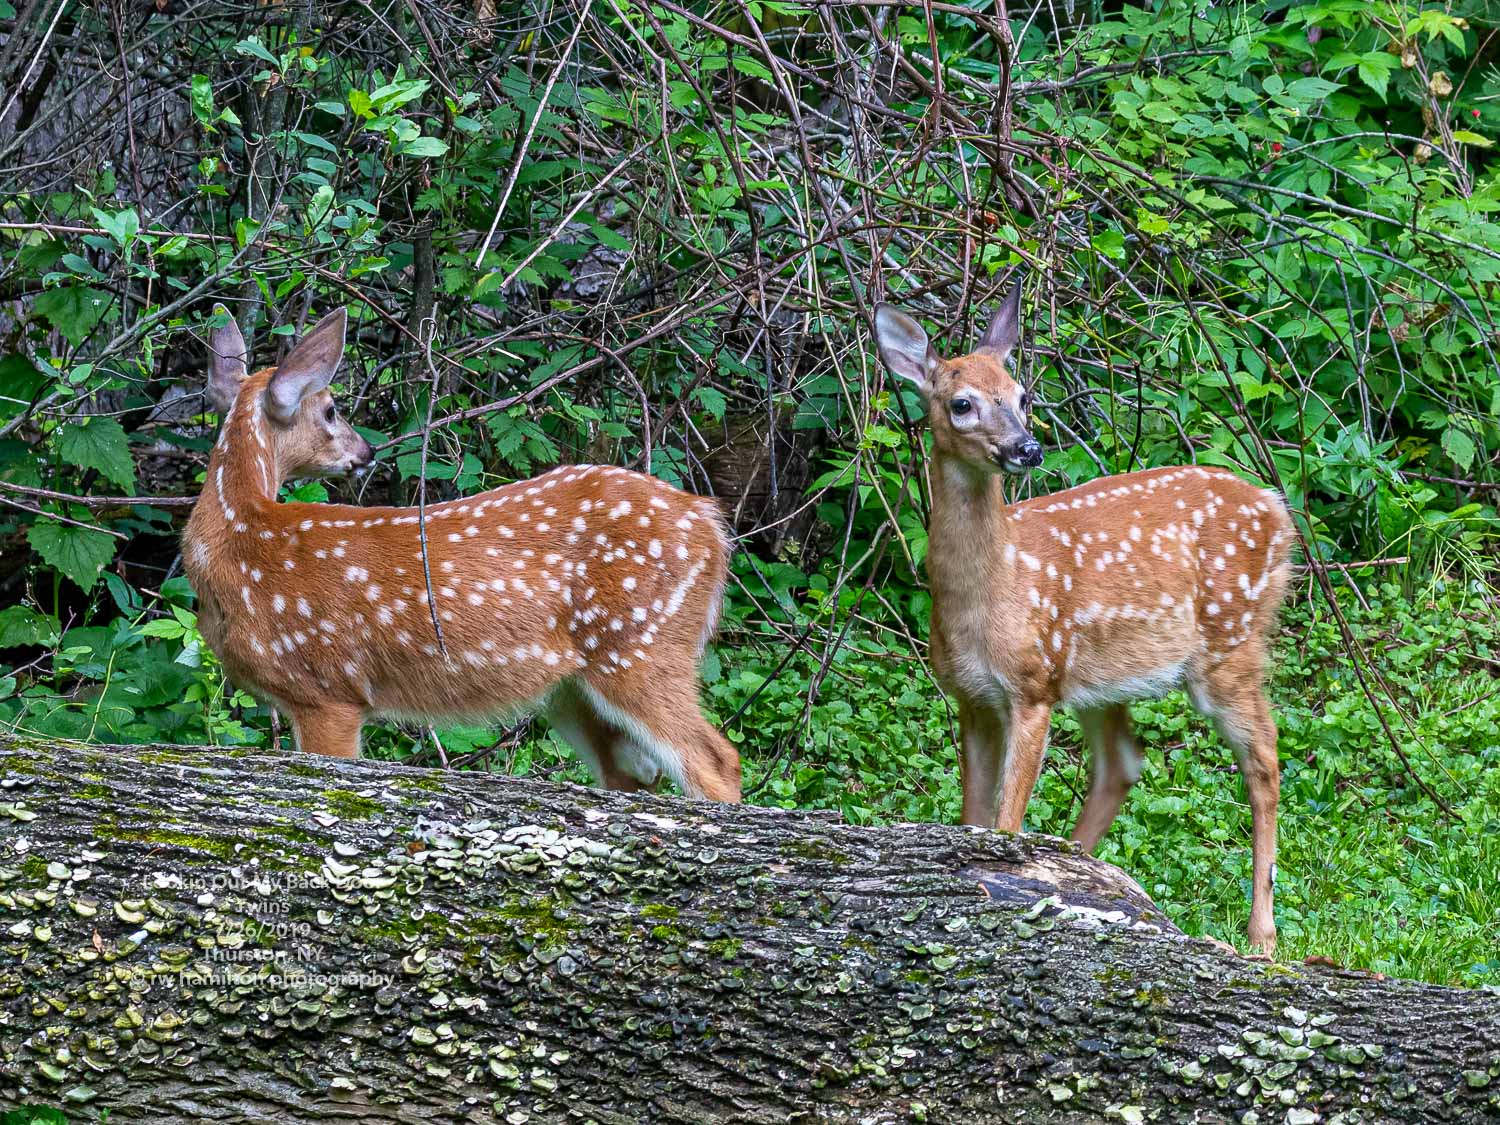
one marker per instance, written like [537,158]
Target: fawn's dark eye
[331,413]
[962,406]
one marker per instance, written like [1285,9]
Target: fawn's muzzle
[1020,455]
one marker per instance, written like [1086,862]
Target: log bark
[229,936]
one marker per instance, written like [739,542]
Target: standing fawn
[1120,589]
[592,590]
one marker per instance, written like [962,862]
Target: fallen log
[230,936]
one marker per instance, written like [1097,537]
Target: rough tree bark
[210,935]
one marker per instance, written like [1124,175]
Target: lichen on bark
[290,938]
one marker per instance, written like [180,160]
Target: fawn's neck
[243,475]
[967,534]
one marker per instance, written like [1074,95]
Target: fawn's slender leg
[1237,704]
[665,726]
[1025,747]
[717,763]
[328,728]
[981,759]
[596,740]
[1115,765]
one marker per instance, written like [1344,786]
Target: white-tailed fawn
[1121,589]
[588,591]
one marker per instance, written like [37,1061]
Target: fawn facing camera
[1120,589]
[590,591]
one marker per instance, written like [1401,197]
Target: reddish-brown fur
[592,590]
[1120,589]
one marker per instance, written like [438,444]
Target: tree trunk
[228,936]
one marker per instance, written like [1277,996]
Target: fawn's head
[308,435]
[977,412]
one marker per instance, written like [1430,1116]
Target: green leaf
[203,99]
[1110,243]
[124,596]
[611,239]
[99,443]
[711,400]
[256,49]
[424,146]
[1311,89]
[153,683]
[1458,445]
[1464,136]
[18,463]
[1151,224]
[78,553]
[410,467]
[1374,68]
[22,625]
[162,627]
[73,309]
[399,92]
[746,65]
[22,380]
[319,206]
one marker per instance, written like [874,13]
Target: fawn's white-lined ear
[308,368]
[1004,330]
[226,363]
[904,346]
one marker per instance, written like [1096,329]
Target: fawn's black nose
[1029,453]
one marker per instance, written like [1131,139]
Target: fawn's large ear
[904,346]
[226,362]
[308,369]
[1004,331]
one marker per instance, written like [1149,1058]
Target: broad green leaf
[21,380]
[22,625]
[162,627]
[746,65]
[18,463]
[1152,224]
[711,400]
[410,467]
[1311,89]
[151,684]
[99,443]
[610,238]
[1464,136]
[126,600]
[255,49]
[1458,445]
[203,99]
[1374,71]
[397,93]
[78,553]
[1110,243]
[424,146]
[74,310]
[319,206]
